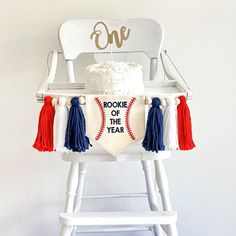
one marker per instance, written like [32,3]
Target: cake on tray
[114,78]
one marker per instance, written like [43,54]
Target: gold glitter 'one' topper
[119,37]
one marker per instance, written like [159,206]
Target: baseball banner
[115,122]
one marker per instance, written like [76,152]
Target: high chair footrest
[119,218]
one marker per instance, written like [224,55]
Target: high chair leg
[72,183]
[65,230]
[162,183]
[79,192]
[152,194]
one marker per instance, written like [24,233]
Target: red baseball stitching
[127,121]
[103,118]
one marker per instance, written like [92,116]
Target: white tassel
[170,125]
[60,123]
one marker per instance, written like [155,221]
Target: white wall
[200,36]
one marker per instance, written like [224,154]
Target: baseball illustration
[115,121]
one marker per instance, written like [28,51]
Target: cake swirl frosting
[114,78]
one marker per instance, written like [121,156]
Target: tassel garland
[153,140]
[170,125]
[67,130]
[44,139]
[75,138]
[60,123]
[184,126]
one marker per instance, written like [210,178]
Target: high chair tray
[159,89]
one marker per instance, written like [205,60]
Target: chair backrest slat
[97,36]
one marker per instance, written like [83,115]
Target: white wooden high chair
[146,37]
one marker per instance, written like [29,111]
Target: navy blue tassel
[75,139]
[153,140]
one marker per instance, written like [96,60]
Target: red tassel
[44,139]
[184,126]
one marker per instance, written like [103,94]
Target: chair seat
[119,218]
[133,153]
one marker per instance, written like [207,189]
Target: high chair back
[111,36]
[116,36]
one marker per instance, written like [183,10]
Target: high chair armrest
[50,78]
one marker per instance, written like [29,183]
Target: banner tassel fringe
[184,126]
[44,139]
[153,140]
[75,138]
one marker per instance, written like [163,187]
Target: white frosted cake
[114,78]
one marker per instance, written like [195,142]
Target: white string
[48,56]
[47,69]
[111,52]
[170,125]
[173,64]
[60,123]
